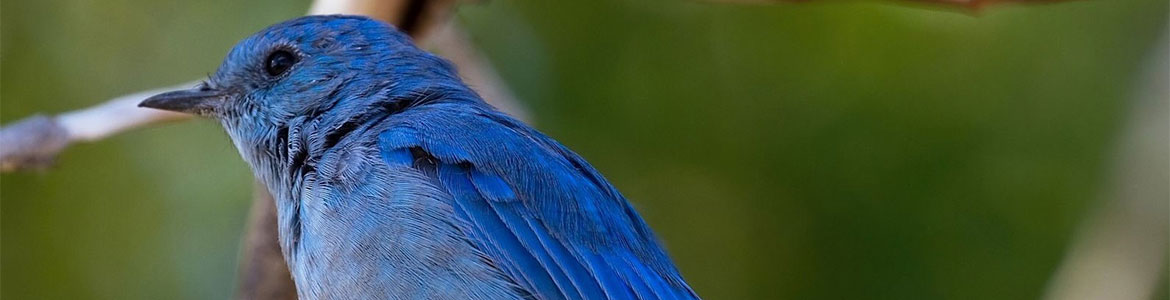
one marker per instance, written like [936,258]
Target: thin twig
[34,142]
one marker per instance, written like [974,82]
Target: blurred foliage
[819,150]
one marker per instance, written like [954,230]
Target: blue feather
[484,217]
[397,157]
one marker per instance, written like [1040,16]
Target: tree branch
[34,142]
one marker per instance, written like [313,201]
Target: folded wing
[540,212]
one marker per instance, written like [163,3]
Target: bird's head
[307,67]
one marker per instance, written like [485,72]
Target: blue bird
[393,179]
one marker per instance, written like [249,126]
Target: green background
[825,150]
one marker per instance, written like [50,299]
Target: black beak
[199,100]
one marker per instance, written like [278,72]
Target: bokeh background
[823,150]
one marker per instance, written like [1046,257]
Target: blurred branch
[34,142]
[1121,251]
[263,274]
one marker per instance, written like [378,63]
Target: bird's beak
[199,100]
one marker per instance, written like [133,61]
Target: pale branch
[35,142]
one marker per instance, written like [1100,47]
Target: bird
[393,179]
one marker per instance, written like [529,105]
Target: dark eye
[279,62]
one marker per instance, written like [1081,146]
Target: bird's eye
[279,62]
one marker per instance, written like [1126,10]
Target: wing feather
[538,210]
